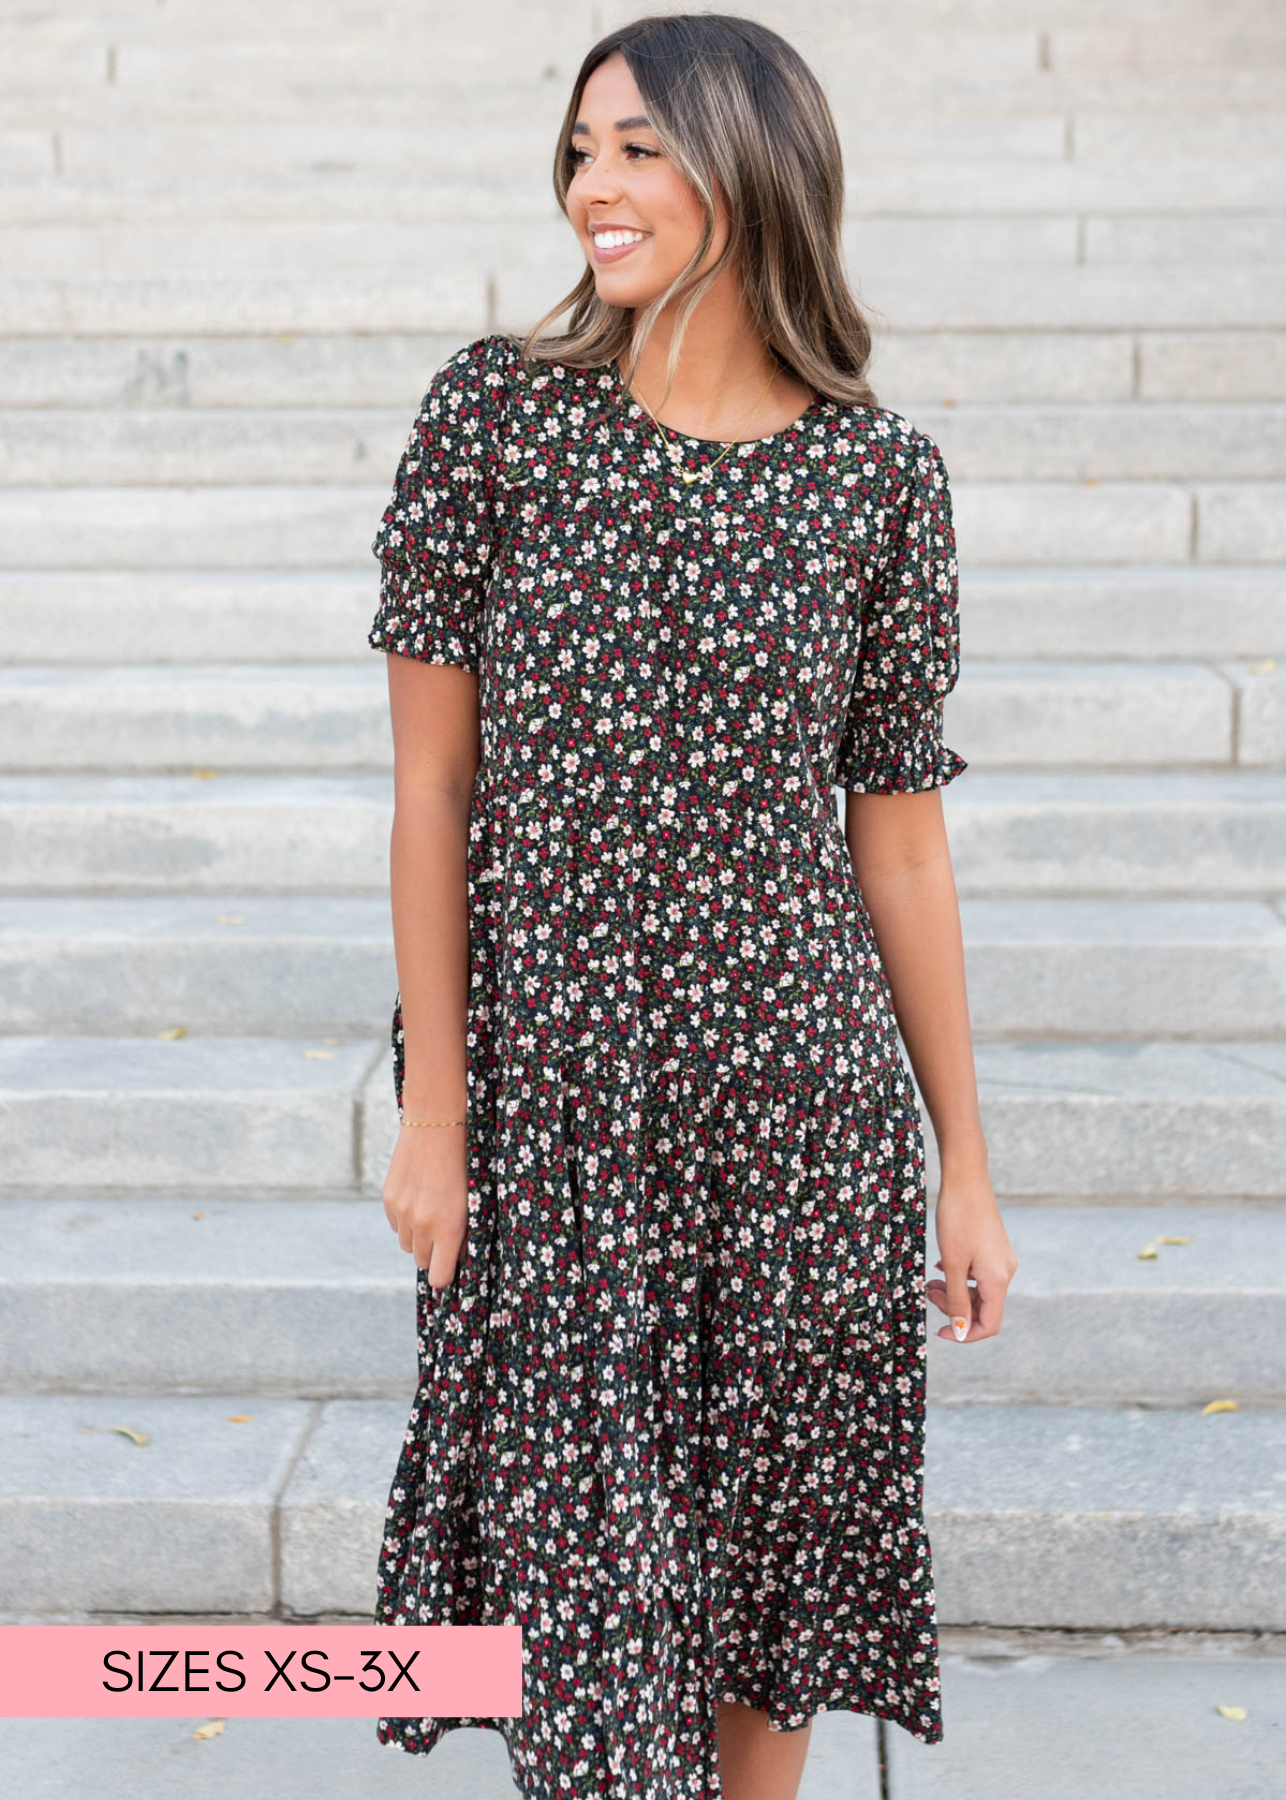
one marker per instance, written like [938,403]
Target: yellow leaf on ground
[173,1031]
[1148,1253]
[1232,1712]
[204,774]
[320,1055]
[139,1437]
[1221,1406]
[1174,1240]
[211,1728]
[200,1215]
[239,1418]
[231,919]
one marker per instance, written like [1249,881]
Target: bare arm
[434,710]
[898,847]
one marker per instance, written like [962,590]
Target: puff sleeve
[435,539]
[909,659]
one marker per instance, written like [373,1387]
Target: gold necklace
[674,453]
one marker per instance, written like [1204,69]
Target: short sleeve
[909,658]
[435,539]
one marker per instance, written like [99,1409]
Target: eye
[574,153]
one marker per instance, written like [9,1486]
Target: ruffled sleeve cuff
[902,755]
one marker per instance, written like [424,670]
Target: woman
[668,578]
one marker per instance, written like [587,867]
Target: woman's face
[622,179]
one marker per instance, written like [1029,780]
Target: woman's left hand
[973,1241]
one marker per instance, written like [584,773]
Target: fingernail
[961,1329]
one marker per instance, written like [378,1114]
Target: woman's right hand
[426,1198]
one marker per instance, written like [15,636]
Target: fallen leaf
[1174,1240]
[198,1215]
[321,1055]
[204,774]
[1232,1712]
[1092,481]
[173,1031]
[1221,1406]
[240,1418]
[231,919]
[211,1728]
[139,1437]
[1148,1253]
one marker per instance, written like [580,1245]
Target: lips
[616,251]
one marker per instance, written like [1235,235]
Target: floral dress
[670,1410]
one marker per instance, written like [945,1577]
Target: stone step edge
[1091,1517]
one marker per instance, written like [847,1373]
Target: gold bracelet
[433,1121]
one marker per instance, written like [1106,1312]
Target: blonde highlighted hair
[730,100]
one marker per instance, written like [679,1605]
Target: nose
[597,184]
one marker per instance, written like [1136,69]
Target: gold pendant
[690,476]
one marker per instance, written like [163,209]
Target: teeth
[608,240]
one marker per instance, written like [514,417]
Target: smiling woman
[651,588]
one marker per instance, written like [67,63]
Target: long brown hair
[731,99]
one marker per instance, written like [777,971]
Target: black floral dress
[670,1410]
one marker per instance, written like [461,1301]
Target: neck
[723,371]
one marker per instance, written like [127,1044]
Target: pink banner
[260,1671]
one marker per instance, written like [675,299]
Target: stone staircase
[234,246]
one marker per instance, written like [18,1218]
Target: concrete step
[316,1299]
[1042,714]
[1089,1517]
[1114,1121]
[1027,1719]
[138,154]
[168,834]
[1025,1712]
[1207,833]
[244,965]
[179,616]
[1077,88]
[451,299]
[1119,968]
[1153,1120]
[1159,441]
[141,719]
[1190,835]
[193,1114]
[330,525]
[1079,611]
[909,368]
[392,369]
[109,20]
[225,446]
[133,173]
[298,1759]
[249,965]
[130,248]
[236,717]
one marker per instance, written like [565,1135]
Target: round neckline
[704,443]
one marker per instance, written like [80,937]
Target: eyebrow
[621,125]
